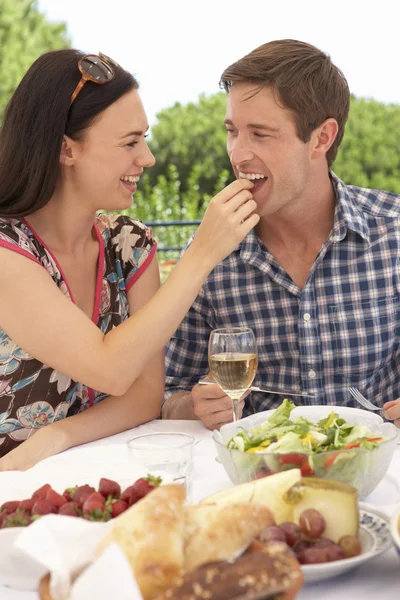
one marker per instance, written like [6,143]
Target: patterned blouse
[31,393]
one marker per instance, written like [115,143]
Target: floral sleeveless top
[31,393]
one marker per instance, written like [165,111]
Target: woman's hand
[46,442]
[392,411]
[229,217]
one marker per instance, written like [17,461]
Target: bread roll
[151,533]
[214,532]
[259,575]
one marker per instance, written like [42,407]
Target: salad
[312,447]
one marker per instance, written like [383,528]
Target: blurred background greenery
[189,140]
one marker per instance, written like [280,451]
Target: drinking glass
[168,455]
[233,361]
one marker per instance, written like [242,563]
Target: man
[318,278]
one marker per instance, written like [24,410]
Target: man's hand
[212,406]
[392,411]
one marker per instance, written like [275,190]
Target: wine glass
[233,361]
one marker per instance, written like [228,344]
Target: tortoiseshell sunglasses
[97,68]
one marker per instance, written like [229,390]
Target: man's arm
[179,406]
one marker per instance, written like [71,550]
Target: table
[378,578]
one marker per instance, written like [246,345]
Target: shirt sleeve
[186,354]
[134,245]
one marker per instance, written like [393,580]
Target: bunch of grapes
[80,501]
[307,541]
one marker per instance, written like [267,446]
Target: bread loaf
[151,534]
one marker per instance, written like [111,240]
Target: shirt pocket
[364,334]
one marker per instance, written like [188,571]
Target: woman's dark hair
[35,121]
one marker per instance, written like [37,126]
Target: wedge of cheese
[336,501]
[267,491]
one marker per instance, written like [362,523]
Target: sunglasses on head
[97,68]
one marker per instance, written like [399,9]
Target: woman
[70,279]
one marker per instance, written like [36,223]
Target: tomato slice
[292,459]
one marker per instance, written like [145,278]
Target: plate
[375,539]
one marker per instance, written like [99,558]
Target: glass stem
[236,409]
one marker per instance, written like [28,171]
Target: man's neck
[306,223]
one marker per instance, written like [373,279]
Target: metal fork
[357,395]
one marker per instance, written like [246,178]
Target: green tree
[25,34]
[191,137]
[369,155]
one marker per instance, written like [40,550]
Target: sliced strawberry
[107,487]
[43,507]
[41,492]
[10,507]
[71,509]
[118,507]
[55,498]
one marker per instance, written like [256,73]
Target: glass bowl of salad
[332,442]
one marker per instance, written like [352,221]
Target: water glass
[168,455]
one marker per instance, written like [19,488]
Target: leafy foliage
[25,34]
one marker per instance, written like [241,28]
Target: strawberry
[3,516]
[68,493]
[71,509]
[144,485]
[26,505]
[94,502]
[82,492]
[118,507]
[107,487]
[130,495]
[40,493]
[16,519]
[43,507]
[10,507]
[56,499]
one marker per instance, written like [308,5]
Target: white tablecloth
[379,578]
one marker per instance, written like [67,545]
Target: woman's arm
[40,319]
[141,403]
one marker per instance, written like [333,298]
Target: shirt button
[306,316]
[312,374]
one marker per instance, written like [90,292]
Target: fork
[357,395]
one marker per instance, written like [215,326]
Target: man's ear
[323,137]
[68,152]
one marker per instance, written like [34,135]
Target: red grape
[272,533]
[311,556]
[312,523]
[292,532]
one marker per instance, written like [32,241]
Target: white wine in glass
[232,357]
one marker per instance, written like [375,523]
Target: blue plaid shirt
[342,329]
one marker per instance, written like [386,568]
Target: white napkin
[65,546]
